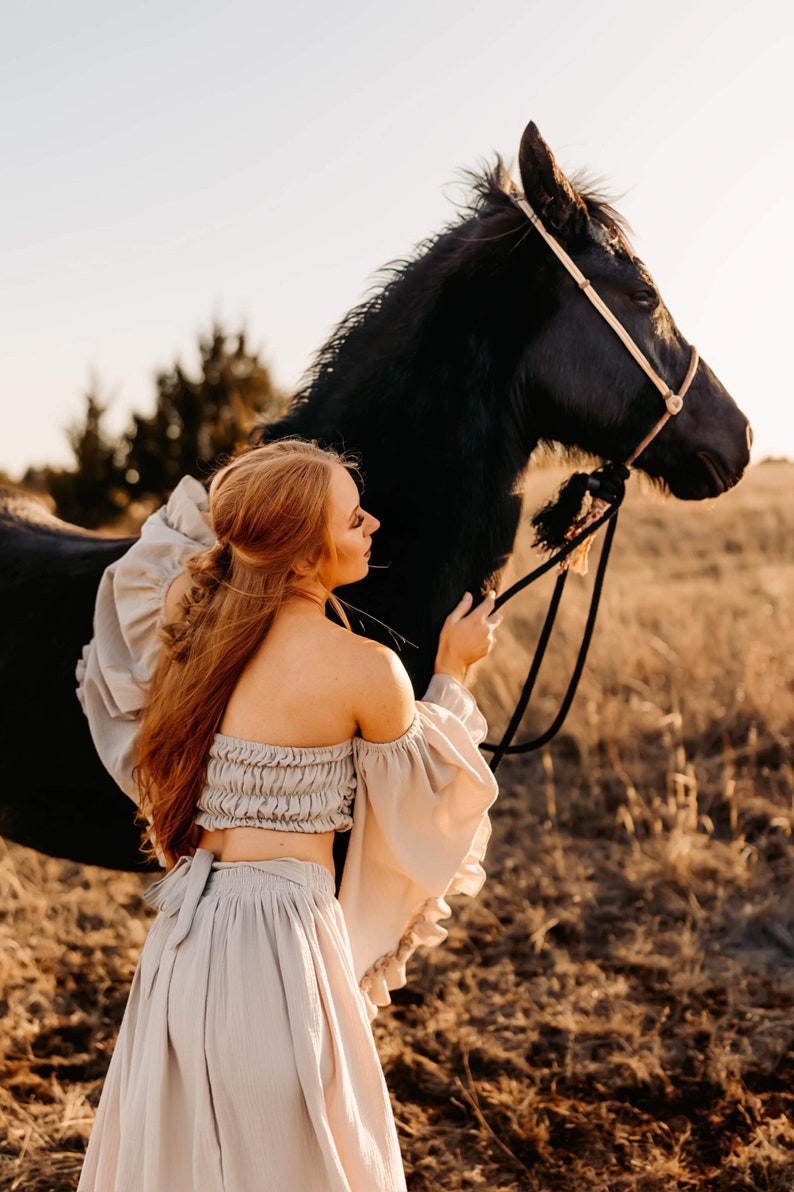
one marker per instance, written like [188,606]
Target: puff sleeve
[130,608]
[420,830]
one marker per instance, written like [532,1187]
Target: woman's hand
[467,636]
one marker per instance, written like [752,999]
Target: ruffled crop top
[292,788]
[417,807]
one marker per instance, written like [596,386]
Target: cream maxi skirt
[245,1061]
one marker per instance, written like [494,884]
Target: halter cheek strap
[673,401]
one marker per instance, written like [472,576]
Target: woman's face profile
[351,530]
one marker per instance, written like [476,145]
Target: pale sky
[163,162]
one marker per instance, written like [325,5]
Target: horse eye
[645,299]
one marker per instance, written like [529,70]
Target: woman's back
[300,686]
[311,682]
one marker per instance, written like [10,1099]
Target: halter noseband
[673,401]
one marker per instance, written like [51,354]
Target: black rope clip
[609,483]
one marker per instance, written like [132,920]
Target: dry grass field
[616,1010]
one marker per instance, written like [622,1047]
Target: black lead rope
[505,745]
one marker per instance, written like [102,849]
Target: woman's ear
[306,568]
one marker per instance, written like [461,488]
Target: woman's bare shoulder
[382,693]
[369,658]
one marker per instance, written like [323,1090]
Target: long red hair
[269,510]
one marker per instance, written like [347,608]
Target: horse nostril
[749,436]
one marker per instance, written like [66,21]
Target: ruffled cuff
[424,929]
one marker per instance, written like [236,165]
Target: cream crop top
[416,807]
[287,787]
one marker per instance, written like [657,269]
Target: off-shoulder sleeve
[452,695]
[118,661]
[420,830]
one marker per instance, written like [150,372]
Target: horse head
[579,383]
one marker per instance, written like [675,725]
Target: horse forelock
[603,213]
[491,188]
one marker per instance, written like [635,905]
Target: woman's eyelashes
[359,521]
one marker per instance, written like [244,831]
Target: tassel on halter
[553,522]
[580,502]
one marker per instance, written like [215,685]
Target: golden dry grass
[616,1011]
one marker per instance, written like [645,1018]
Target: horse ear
[545,186]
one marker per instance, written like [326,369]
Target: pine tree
[196,421]
[90,494]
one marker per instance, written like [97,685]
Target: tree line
[197,419]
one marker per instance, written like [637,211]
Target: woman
[245,1060]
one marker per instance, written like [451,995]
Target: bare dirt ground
[615,1011]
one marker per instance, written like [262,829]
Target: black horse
[473,352]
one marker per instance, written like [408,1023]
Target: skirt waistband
[309,874]
[180,891]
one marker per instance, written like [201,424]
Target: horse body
[443,383]
[56,795]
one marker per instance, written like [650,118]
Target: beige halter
[673,401]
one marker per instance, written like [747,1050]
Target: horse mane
[486,214]
[363,332]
